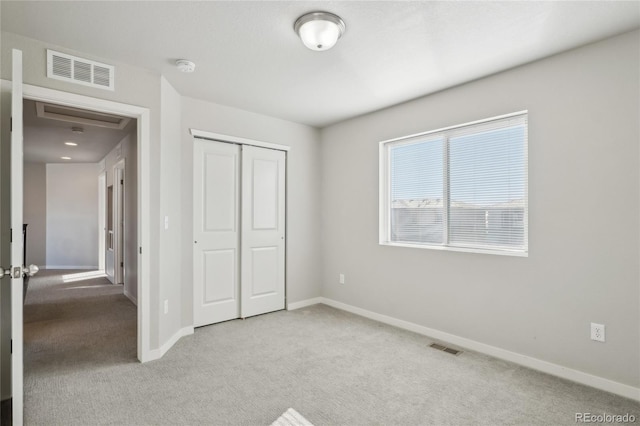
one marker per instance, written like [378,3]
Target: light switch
[166,222]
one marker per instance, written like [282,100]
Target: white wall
[303,189]
[583,263]
[35,212]
[171,274]
[72,216]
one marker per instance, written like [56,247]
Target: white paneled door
[239,218]
[263,230]
[216,232]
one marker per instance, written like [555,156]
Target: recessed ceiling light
[185,66]
[71,143]
[65,158]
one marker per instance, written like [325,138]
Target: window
[461,188]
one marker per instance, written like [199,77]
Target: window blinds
[462,187]
[417,191]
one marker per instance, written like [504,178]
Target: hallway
[74,322]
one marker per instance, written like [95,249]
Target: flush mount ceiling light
[77,130]
[65,158]
[319,30]
[185,66]
[71,143]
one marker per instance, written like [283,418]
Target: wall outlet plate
[341,278]
[597,332]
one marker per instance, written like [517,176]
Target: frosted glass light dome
[319,30]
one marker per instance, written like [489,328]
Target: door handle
[4,272]
[29,271]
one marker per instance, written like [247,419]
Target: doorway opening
[84,235]
[138,198]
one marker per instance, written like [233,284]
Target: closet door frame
[217,137]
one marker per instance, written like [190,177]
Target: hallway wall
[127,149]
[72,216]
[35,212]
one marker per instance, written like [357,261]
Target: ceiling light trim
[318,30]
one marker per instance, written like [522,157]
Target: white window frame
[384,179]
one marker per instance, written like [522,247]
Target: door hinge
[11,125]
[11,235]
[121,181]
[11,349]
[122,264]
[140,250]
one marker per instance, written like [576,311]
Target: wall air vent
[79,70]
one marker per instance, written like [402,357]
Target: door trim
[143,115]
[202,134]
[102,220]
[119,202]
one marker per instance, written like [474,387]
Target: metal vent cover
[445,349]
[81,116]
[73,69]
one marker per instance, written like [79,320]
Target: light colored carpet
[334,367]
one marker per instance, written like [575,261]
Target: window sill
[504,252]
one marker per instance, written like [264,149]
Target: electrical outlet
[166,306]
[597,332]
[341,278]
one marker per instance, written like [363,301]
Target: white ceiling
[248,56]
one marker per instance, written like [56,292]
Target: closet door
[216,253]
[263,231]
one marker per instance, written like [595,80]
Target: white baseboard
[159,353]
[524,360]
[303,303]
[130,297]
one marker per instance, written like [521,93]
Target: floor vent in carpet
[445,349]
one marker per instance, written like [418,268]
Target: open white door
[263,230]
[17,269]
[16,240]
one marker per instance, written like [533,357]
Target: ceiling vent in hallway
[79,70]
[80,116]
